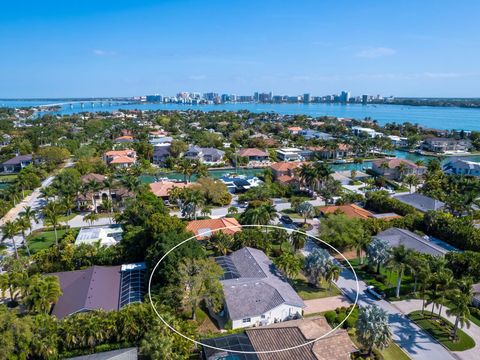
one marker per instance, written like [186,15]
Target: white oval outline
[252,352]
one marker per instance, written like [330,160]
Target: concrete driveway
[329,303]
[407,306]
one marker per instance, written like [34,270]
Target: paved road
[418,344]
[407,306]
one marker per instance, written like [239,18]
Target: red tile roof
[212,225]
[351,211]
[283,166]
[394,163]
[162,188]
[251,152]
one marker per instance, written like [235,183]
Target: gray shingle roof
[420,202]
[258,287]
[18,159]
[397,237]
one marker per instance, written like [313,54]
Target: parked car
[286,219]
[372,291]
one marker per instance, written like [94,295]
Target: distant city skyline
[123,48]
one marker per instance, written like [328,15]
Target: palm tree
[445,283]
[52,212]
[29,214]
[360,243]
[206,211]
[460,308]
[9,230]
[24,225]
[195,198]
[108,183]
[306,210]
[42,292]
[289,263]
[91,218]
[232,210]
[185,168]
[399,261]
[221,243]
[372,329]
[298,240]
[401,169]
[131,183]
[411,180]
[332,274]
[47,193]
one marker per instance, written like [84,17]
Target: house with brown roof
[340,151]
[334,346]
[121,158]
[205,228]
[162,188]
[107,288]
[253,154]
[124,139]
[396,169]
[355,212]
[294,130]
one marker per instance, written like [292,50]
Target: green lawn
[394,352]
[475,319]
[42,240]
[308,292]
[292,213]
[440,329]
[385,282]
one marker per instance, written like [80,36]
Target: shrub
[331,317]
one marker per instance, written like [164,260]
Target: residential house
[106,235]
[291,334]
[365,132]
[205,228]
[98,178]
[121,158]
[253,154]
[256,294]
[161,141]
[294,130]
[293,154]
[284,172]
[17,163]
[240,183]
[421,202]
[204,155]
[309,134]
[345,176]
[125,139]
[398,142]
[160,155]
[355,212]
[162,188]
[107,288]
[462,167]
[120,354]
[446,145]
[396,237]
[341,151]
[5,140]
[396,169]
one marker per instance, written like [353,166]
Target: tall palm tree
[372,328]
[9,230]
[399,261]
[332,274]
[289,263]
[306,210]
[411,180]
[42,292]
[445,284]
[52,212]
[47,193]
[360,243]
[401,170]
[94,187]
[298,240]
[195,198]
[29,214]
[108,183]
[23,225]
[460,308]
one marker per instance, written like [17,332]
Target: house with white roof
[107,235]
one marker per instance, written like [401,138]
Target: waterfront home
[365,132]
[294,333]
[203,229]
[253,154]
[293,154]
[398,142]
[161,141]
[309,134]
[396,237]
[396,169]
[107,288]
[162,188]
[160,154]
[420,202]
[106,235]
[462,167]
[446,145]
[355,212]
[240,183]
[17,163]
[121,158]
[285,172]
[157,134]
[340,151]
[204,155]
[256,294]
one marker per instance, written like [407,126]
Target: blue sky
[123,48]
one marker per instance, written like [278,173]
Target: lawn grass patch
[394,352]
[440,329]
[292,213]
[44,239]
[309,292]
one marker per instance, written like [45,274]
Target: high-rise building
[306,98]
[344,96]
[154,98]
[210,96]
[364,99]
[256,96]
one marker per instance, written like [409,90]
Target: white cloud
[371,53]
